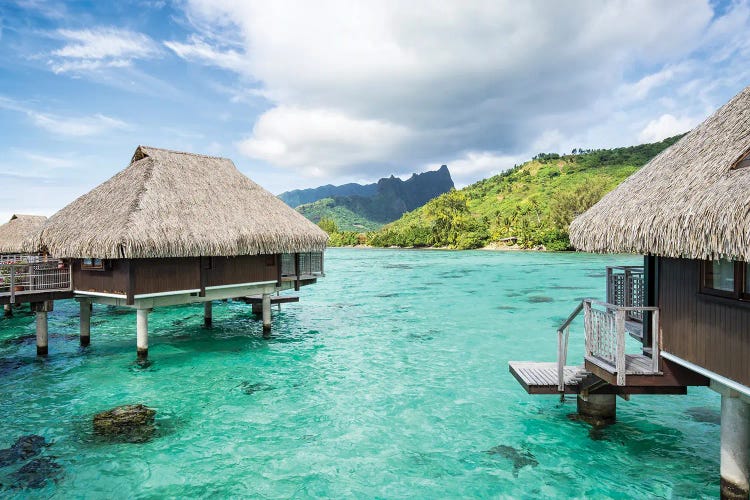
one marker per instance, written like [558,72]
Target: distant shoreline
[489,248]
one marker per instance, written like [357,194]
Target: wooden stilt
[207,314]
[41,333]
[85,319]
[266,313]
[142,333]
[41,309]
[8,310]
[735,443]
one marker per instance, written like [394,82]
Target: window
[720,275]
[743,162]
[726,278]
[92,264]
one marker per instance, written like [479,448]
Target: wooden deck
[31,296]
[542,378]
[635,364]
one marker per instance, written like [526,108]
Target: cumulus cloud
[318,140]
[433,80]
[94,49]
[666,126]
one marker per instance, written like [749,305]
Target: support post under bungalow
[85,319]
[8,310]
[208,314]
[41,309]
[735,441]
[266,313]
[597,409]
[142,333]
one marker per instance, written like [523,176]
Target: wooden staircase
[607,367]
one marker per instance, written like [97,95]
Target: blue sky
[300,94]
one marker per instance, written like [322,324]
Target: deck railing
[27,274]
[605,335]
[302,264]
[626,286]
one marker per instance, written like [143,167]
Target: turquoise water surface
[389,379]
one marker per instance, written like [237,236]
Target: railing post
[560,363]
[12,284]
[620,359]
[587,327]
[655,340]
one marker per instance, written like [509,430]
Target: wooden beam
[130,292]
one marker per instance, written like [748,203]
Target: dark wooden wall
[113,279]
[242,269]
[144,276]
[711,332]
[165,275]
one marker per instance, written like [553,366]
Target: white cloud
[481,164]
[198,50]
[77,126]
[71,126]
[94,49]
[665,126]
[436,79]
[318,142]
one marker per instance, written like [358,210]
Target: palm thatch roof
[14,233]
[174,204]
[690,201]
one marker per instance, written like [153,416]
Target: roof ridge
[135,206]
[174,151]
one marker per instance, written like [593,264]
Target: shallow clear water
[389,379]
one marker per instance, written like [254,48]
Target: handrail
[572,316]
[563,334]
[34,276]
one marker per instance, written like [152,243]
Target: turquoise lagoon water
[389,379]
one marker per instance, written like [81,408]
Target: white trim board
[238,285]
[100,294]
[164,294]
[708,373]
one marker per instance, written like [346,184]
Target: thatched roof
[15,232]
[687,202]
[174,204]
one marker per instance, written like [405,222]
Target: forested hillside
[530,205]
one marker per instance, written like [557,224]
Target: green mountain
[530,205]
[391,199]
[299,197]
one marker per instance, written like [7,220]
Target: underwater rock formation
[36,473]
[24,447]
[128,423]
[520,459]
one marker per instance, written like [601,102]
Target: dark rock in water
[24,447]
[36,473]
[128,423]
[705,415]
[538,299]
[520,458]
[250,388]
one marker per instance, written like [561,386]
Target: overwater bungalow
[688,212]
[16,231]
[21,270]
[178,228]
